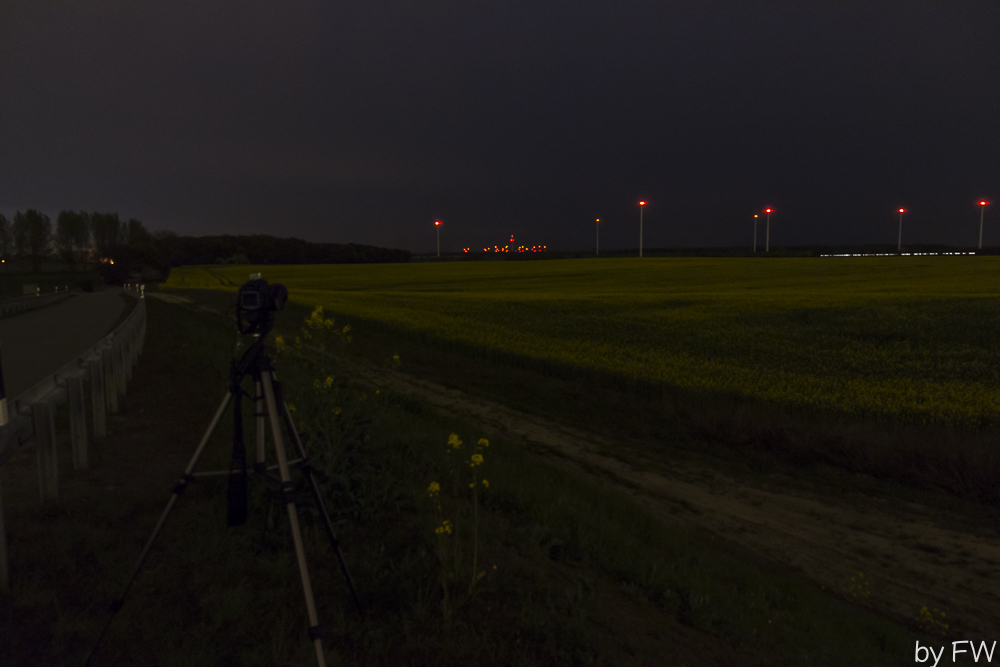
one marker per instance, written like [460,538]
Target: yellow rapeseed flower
[433,489]
[483,442]
[279,343]
[291,407]
[487,485]
[453,441]
[329,381]
[477,459]
[336,410]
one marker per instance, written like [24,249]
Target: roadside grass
[584,575]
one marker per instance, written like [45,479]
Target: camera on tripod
[256,304]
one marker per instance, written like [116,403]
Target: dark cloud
[364,121]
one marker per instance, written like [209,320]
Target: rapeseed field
[911,338]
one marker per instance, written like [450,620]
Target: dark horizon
[365,123]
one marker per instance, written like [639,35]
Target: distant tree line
[80,239]
[118,248]
[261,249]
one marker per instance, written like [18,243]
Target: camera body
[256,304]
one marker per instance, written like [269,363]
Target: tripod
[269,395]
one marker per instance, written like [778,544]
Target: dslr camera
[256,304]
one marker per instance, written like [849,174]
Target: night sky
[363,121]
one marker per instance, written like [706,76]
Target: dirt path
[911,556]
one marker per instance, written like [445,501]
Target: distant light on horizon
[902,210]
[642,203]
[898,254]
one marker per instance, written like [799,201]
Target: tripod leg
[179,488]
[307,469]
[293,517]
[259,411]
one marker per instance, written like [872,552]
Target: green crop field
[911,338]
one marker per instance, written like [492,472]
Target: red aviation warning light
[902,210]
[642,203]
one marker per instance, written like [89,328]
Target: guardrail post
[110,381]
[4,571]
[127,341]
[135,343]
[127,355]
[45,447]
[131,350]
[122,366]
[4,416]
[98,398]
[77,422]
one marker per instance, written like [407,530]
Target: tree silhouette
[6,239]
[33,236]
[73,236]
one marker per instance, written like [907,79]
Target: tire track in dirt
[910,555]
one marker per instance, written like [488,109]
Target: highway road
[36,344]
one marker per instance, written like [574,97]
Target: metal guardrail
[26,303]
[107,366]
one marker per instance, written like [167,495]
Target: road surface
[38,343]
